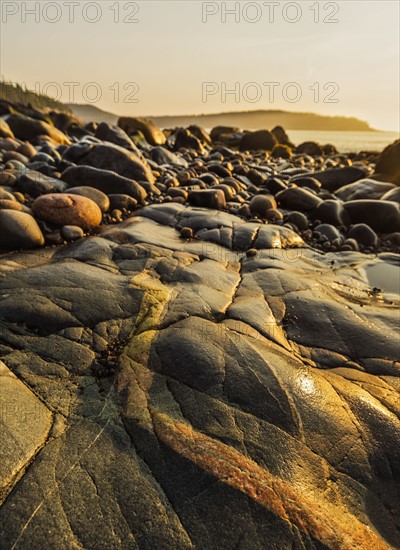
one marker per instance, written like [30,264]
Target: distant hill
[17,94]
[250,120]
[257,120]
[90,113]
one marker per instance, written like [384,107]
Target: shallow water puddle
[384,275]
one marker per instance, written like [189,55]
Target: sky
[191,57]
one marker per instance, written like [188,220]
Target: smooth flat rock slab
[202,397]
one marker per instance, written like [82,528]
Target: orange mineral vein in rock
[332,525]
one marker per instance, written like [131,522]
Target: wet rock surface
[216,365]
[188,388]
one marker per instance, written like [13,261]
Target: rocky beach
[199,338]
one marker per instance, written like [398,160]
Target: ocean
[345,142]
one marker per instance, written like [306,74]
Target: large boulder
[389,162]
[219,133]
[107,156]
[104,180]
[208,198]
[333,179]
[261,140]
[282,137]
[333,212]
[67,209]
[152,133]
[297,198]
[282,151]
[363,189]
[160,155]
[18,230]
[26,128]
[200,133]
[35,183]
[382,216]
[363,234]
[260,204]
[114,134]
[186,140]
[310,148]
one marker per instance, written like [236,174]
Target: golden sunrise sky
[155,57]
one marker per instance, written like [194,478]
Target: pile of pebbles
[60,185]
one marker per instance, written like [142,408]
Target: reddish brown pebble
[65,209]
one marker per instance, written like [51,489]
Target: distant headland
[252,120]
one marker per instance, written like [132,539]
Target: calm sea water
[346,142]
